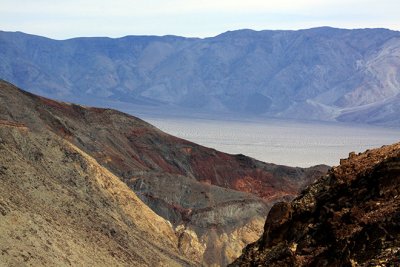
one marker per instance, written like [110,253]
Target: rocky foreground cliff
[215,202]
[350,217]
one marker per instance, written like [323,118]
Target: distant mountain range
[320,73]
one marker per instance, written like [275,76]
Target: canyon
[210,204]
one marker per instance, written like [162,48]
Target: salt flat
[300,144]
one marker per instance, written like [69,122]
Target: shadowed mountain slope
[215,201]
[351,217]
[320,73]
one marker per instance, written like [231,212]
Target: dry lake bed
[300,144]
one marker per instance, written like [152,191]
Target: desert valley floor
[300,144]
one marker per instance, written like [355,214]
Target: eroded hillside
[59,207]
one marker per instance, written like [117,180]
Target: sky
[191,18]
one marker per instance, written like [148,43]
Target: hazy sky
[199,18]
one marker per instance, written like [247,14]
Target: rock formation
[350,217]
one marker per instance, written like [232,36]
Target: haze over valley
[319,74]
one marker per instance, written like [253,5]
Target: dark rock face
[213,199]
[321,73]
[351,217]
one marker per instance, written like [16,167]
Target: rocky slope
[215,201]
[321,73]
[351,217]
[59,207]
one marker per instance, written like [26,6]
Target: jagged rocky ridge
[320,73]
[350,217]
[215,202]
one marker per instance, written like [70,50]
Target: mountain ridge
[320,73]
[214,201]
